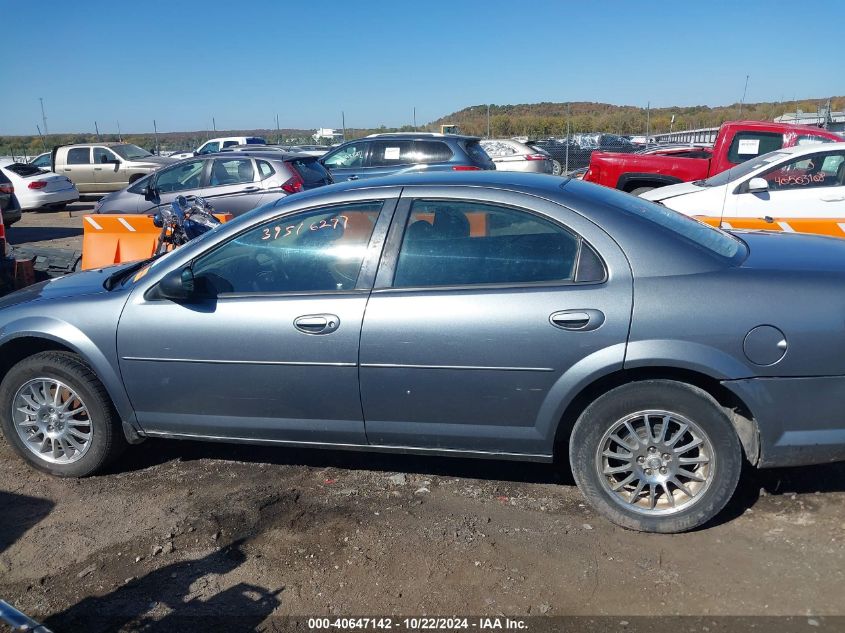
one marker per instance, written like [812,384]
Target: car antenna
[724,199]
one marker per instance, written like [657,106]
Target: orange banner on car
[834,227]
[109,239]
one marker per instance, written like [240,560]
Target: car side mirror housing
[149,192]
[758,185]
[178,285]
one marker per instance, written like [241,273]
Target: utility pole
[41,136]
[214,125]
[278,131]
[744,90]
[43,116]
[343,123]
[97,129]
[488,120]
[119,137]
[415,118]
[155,133]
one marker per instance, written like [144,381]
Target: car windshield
[715,240]
[130,152]
[741,170]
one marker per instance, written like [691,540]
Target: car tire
[656,456]
[135,177]
[640,190]
[65,401]
[557,169]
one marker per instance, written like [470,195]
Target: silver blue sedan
[495,315]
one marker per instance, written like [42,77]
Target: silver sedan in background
[510,155]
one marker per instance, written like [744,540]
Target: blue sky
[184,61]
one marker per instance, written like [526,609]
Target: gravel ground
[203,531]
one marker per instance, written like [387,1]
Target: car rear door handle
[580,320]
[317,323]
[353,177]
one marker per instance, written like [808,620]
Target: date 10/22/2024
[279,231]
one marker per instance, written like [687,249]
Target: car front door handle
[252,188]
[353,177]
[578,320]
[317,323]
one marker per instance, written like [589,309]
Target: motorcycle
[185,219]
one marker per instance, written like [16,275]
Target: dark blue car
[386,154]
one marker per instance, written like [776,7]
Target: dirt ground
[204,532]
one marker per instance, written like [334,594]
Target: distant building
[328,134]
[833,121]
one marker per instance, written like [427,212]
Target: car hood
[78,284]
[789,252]
[156,161]
[664,193]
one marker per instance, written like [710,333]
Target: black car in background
[9,206]
[575,152]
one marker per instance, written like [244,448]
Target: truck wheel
[656,456]
[56,414]
[135,177]
[640,190]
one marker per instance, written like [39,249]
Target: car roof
[268,154]
[812,148]
[419,136]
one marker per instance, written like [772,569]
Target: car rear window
[311,171]
[476,153]
[705,236]
[24,170]
[748,145]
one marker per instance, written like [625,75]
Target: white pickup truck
[216,144]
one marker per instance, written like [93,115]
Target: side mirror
[758,185]
[149,193]
[177,285]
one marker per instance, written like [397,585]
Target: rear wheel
[556,168]
[57,415]
[656,456]
[135,177]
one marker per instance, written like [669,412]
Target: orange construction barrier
[109,239]
[834,227]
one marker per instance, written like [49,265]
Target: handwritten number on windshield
[331,224]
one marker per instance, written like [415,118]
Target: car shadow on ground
[166,600]
[19,513]
[28,234]
[155,451]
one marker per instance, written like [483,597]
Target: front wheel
[656,456]
[57,415]
[557,169]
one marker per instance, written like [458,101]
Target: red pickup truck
[736,142]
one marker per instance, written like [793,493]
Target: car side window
[231,171]
[431,152]
[102,155]
[180,177]
[748,145]
[448,243]
[44,162]
[318,250]
[229,143]
[265,169]
[351,155]
[387,153]
[808,172]
[79,156]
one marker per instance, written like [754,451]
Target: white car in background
[806,181]
[510,155]
[214,145]
[37,188]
